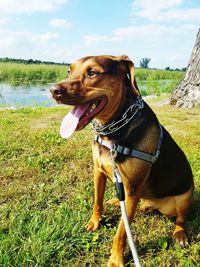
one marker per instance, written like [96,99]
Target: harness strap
[132,152]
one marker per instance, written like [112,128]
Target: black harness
[132,152]
[116,148]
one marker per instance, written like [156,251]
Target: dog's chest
[103,160]
[130,168]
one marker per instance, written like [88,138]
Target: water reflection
[15,96]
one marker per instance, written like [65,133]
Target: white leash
[129,235]
[121,195]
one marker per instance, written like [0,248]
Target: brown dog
[104,88]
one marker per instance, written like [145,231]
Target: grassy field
[150,81]
[46,195]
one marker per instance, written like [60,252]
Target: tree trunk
[187,94]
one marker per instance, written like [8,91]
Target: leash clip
[113,152]
[113,155]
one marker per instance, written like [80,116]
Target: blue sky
[65,30]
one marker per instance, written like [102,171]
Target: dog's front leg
[117,252]
[99,187]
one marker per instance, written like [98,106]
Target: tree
[144,62]
[187,94]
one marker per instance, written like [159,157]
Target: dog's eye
[92,73]
[68,72]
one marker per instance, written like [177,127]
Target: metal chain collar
[116,125]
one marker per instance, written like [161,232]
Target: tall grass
[13,72]
[156,74]
[157,82]
[150,81]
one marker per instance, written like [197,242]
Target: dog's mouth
[81,115]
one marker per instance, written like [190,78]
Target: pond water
[16,96]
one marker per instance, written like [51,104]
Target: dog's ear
[127,66]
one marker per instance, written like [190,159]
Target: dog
[153,168]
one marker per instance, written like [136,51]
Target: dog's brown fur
[167,185]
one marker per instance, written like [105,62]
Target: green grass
[46,195]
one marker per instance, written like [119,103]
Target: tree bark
[187,94]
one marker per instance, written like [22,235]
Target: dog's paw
[116,261]
[181,238]
[113,202]
[145,206]
[93,223]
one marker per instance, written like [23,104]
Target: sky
[65,30]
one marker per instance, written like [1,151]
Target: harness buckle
[155,157]
[126,151]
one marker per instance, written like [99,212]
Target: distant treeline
[30,61]
[176,69]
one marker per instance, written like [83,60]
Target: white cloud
[24,6]
[89,39]
[19,41]
[3,21]
[46,37]
[150,33]
[27,44]
[60,23]
[164,11]
[181,15]
[92,39]
[153,32]
[152,5]
[13,39]
[147,31]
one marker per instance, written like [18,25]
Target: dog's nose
[57,90]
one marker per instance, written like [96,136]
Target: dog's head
[95,86]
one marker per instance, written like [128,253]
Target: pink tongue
[71,120]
